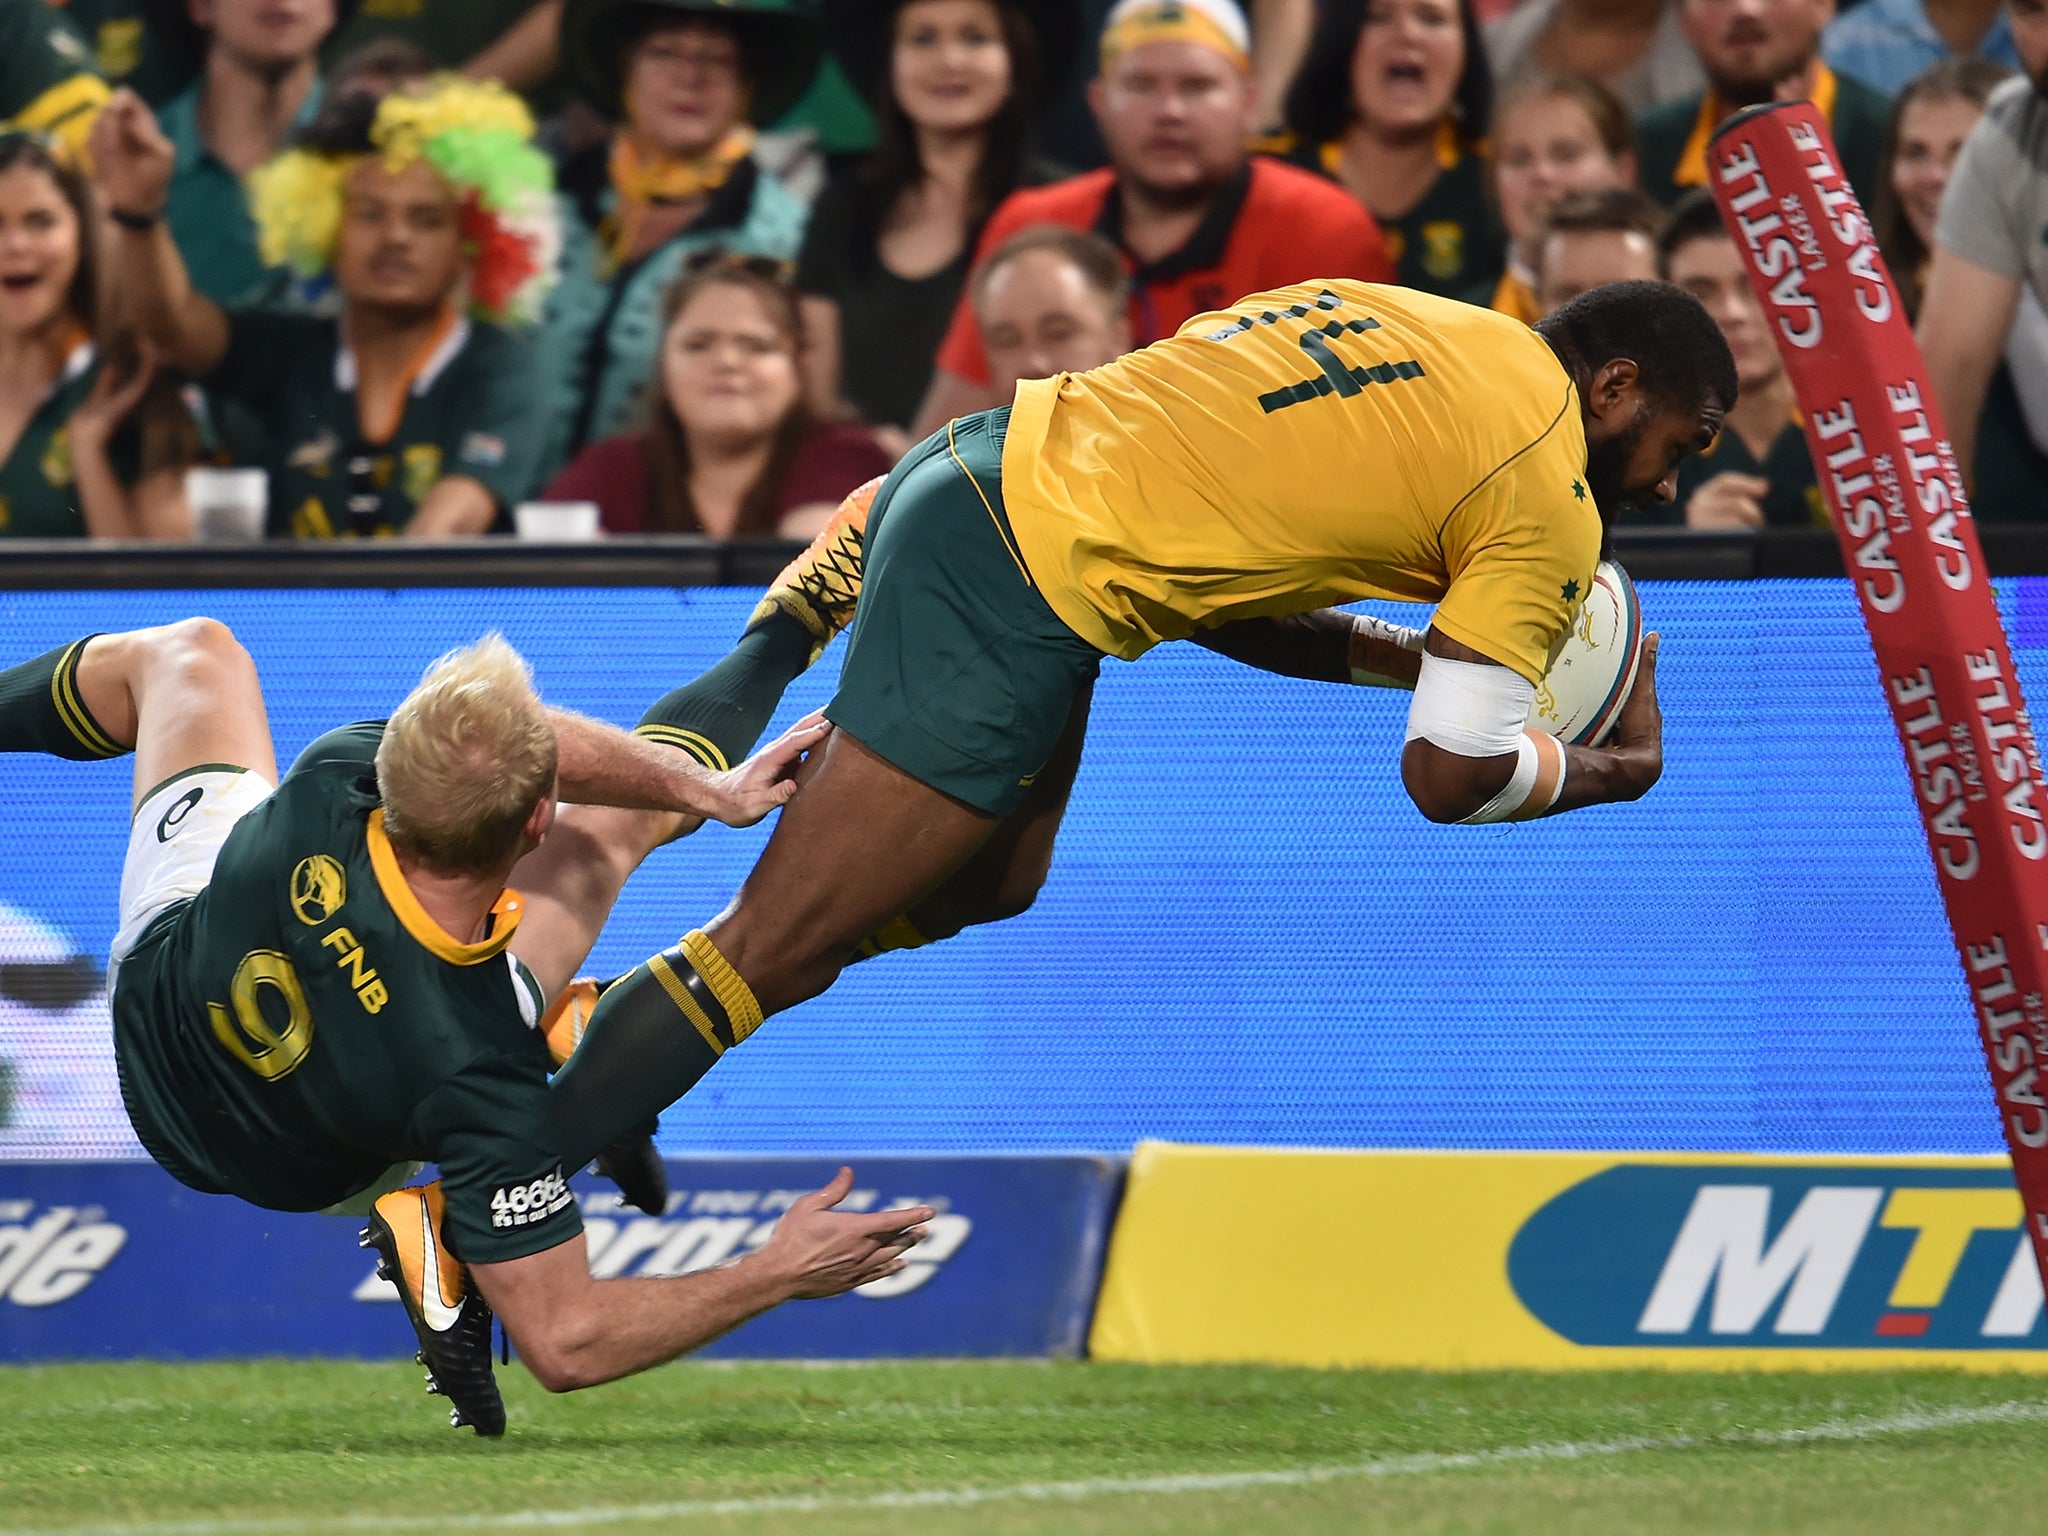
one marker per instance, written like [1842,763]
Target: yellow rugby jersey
[1311,446]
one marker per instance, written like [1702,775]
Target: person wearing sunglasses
[731,448]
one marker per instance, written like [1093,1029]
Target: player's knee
[201,649]
[1018,892]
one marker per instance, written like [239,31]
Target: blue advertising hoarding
[117,1261]
[1249,934]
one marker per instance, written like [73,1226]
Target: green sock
[653,1035]
[718,718]
[40,710]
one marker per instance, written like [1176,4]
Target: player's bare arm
[574,1331]
[1450,785]
[1325,646]
[1963,325]
[600,764]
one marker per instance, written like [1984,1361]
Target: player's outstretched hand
[1638,736]
[132,159]
[767,779]
[817,1251]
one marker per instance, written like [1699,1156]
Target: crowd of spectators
[711,264]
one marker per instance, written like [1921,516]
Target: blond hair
[465,759]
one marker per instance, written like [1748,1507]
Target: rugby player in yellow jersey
[1310,446]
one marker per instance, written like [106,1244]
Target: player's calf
[631,1161]
[41,710]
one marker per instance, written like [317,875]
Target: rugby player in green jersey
[322,982]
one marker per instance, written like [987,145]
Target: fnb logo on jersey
[51,1256]
[1837,1256]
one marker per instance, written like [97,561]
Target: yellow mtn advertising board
[1563,1260]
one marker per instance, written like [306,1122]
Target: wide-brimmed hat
[779,47]
[862,35]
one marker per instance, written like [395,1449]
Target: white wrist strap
[1364,628]
[1534,786]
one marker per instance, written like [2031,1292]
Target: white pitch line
[1909,1422]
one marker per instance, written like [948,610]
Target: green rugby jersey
[38,483]
[1451,242]
[475,408]
[1794,499]
[303,1024]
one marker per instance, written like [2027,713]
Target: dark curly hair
[1682,360]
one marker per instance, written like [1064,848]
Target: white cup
[556,522]
[227,504]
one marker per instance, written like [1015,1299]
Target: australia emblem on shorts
[319,887]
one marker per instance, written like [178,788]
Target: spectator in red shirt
[730,449]
[1200,220]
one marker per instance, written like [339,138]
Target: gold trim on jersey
[989,506]
[428,934]
[1691,170]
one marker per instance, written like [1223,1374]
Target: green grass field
[993,1449]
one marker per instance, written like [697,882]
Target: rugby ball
[1589,680]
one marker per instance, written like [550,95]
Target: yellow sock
[897,933]
[742,1008]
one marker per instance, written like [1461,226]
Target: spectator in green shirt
[150,46]
[47,82]
[401,414]
[1394,103]
[1766,50]
[72,431]
[1758,471]
[258,81]
[685,81]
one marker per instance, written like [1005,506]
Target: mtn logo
[1850,1256]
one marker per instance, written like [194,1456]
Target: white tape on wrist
[1366,629]
[1534,786]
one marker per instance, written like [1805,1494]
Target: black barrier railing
[1650,554]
